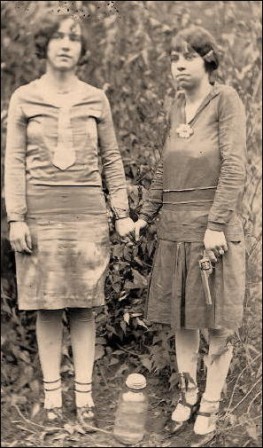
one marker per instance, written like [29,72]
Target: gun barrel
[204,277]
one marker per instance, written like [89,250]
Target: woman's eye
[189,56]
[174,57]
[75,37]
[57,35]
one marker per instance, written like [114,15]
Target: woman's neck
[60,80]
[196,95]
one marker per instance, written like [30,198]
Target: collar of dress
[212,94]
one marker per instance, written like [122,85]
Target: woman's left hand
[125,228]
[216,242]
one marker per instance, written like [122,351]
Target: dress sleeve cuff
[120,213]
[15,217]
[218,227]
[146,218]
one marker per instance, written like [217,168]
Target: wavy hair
[201,41]
[48,26]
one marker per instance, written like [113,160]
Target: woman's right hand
[138,225]
[20,238]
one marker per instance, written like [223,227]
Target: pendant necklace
[184,130]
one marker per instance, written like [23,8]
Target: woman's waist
[189,196]
[60,200]
[183,222]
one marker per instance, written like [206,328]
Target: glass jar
[131,413]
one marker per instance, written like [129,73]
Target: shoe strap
[83,384]
[182,398]
[51,382]
[207,414]
[82,391]
[53,389]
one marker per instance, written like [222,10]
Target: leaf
[146,362]
[79,429]
[69,428]
[101,341]
[59,436]
[113,361]
[139,281]
[232,419]
[35,409]
[132,58]
[120,370]
[34,386]
[99,352]
[252,431]
[141,323]
[126,318]
[123,296]
[118,352]
[123,326]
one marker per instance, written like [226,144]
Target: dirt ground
[20,427]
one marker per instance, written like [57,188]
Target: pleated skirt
[176,296]
[68,265]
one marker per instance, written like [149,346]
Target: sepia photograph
[131,223]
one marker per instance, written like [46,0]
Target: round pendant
[184,130]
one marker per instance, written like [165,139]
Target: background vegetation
[129,58]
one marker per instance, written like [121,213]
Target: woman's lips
[64,56]
[182,75]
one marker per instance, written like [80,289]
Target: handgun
[206,269]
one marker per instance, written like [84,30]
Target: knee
[223,333]
[49,315]
[81,314]
[220,341]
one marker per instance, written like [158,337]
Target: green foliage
[128,58]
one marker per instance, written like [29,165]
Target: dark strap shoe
[178,426]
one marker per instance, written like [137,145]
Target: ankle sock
[206,424]
[83,394]
[53,394]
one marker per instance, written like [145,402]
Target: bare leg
[219,359]
[82,331]
[187,347]
[49,339]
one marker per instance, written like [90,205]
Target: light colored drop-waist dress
[57,147]
[197,185]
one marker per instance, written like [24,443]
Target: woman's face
[64,47]
[188,69]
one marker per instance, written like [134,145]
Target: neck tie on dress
[64,154]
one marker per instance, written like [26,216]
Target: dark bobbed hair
[201,41]
[47,27]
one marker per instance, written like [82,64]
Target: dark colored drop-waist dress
[197,185]
[57,146]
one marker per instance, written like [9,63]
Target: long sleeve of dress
[112,163]
[232,145]
[154,201]
[15,162]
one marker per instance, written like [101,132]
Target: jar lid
[136,381]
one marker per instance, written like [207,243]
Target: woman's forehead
[180,45]
[69,25]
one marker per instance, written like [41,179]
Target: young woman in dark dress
[196,188]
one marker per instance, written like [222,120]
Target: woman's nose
[65,42]
[180,66]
